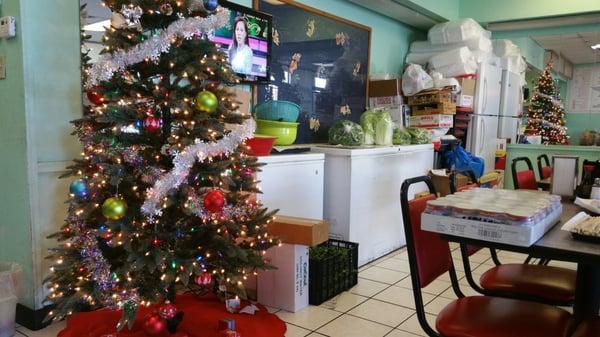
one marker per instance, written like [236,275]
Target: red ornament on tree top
[214,201]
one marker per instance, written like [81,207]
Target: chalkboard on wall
[320,62]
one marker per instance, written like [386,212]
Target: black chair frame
[540,165]
[513,168]
[410,247]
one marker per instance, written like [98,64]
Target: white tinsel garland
[183,162]
[152,48]
[554,100]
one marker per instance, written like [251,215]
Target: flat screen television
[247,42]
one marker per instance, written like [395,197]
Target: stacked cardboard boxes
[432,109]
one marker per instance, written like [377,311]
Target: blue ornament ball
[79,188]
[211,5]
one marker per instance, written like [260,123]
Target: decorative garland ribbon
[152,48]
[184,161]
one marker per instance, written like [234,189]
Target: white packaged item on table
[481,43]
[456,31]
[514,217]
[419,58]
[415,79]
[452,56]
[287,286]
[504,47]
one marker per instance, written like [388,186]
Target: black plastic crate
[334,272]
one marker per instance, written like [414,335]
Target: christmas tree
[163,195]
[546,114]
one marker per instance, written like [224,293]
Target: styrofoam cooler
[456,31]
[452,56]
[481,43]
[10,275]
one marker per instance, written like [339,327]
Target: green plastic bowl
[285,132]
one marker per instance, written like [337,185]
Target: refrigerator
[511,106]
[483,126]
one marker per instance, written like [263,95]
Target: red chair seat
[482,316]
[590,328]
[534,280]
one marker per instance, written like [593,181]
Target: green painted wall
[15,233]
[390,39]
[507,10]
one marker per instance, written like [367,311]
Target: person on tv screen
[240,53]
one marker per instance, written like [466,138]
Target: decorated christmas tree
[162,198]
[546,114]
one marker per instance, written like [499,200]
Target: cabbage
[384,128]
[345,132]
[367,121]
[401,136]
[419,136]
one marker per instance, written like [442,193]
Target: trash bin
[10,281]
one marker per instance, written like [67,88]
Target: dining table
[557,244]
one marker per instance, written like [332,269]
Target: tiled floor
[380,305]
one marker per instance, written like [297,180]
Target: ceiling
[574,47]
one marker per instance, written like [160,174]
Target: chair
[545,171]
[539,283]
[429,257]
[589,328]
[524,180]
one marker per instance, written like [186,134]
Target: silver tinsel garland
[183,162]
[152,48]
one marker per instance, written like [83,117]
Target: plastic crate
[333,274]
[282,111]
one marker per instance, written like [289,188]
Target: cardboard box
[431,121]
[287,286]
[464,101]
[434,109]
[385,93]
[467,86]
[431,96]
[385,102]
[523,236]
[441,181]
[299,231]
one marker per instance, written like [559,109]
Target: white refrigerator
[483,127]
[511,106]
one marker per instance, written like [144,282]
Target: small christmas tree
[163,196]
[546,114]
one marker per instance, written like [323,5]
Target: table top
[556,244]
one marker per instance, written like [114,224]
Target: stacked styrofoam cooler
[453,48]
[510,56]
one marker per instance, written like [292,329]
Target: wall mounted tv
[247,42]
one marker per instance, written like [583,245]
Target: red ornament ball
[167,311]
[95,96]
[214,201]
[154,325]
[204,279]
[152,124]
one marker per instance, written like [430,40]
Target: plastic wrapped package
[401,136]
[458,69]
[456,31]
[367,122]
[384,128]
[452,56]
[419,58]
[415,79]
[10,281]
[504,47]
[439,81]
[481,43]
[345,132]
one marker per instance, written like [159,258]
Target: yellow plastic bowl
[285,132]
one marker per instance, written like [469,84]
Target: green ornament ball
[114,208]
[206,101]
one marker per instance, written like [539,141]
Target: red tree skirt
[202,316]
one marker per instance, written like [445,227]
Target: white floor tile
[348,326]
[344,302]
[437,304]
[382,312]
[401,256]
[401,296]
[395,264]
[294,331]
[367,288]
[310,318]
[400,333]
[382,275]
[412,324]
